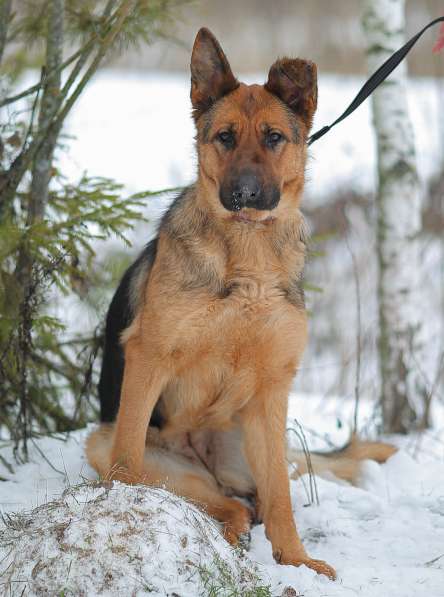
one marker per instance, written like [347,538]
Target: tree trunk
[5,14]
[403,393]
[38,196]
[42,167]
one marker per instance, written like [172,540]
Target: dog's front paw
[318,566]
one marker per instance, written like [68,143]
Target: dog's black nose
[246,191]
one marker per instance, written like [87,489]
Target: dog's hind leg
[234,516]
[178,474]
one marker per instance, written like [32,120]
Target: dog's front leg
[143,380]
[264,424]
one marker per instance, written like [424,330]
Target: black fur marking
[227,139]
[295,134]
[286,238]
[120,316]
[294,125]
[227,290]
[304,232]
[294,293]
[208,121]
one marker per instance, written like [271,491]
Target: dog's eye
[273,138]
[226,138]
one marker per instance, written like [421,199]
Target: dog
[206,330]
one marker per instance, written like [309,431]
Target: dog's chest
[247,291]
[252,310]
[231,347]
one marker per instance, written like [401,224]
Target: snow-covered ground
[384,537]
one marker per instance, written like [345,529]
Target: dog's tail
[344,463]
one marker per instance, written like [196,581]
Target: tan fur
[346,463]
[220,325]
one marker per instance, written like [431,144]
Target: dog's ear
[211,76]
[294,81]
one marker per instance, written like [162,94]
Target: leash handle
[375,80]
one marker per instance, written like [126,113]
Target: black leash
[375,80]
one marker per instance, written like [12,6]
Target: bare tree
[403,393]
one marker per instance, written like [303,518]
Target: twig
[31,120]
[322,436]
[431,562]
[121,15]
[85,390]
[45,458]
[314,496]
[6,464]
[427,384]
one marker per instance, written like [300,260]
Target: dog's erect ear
[294,81]
[211,76]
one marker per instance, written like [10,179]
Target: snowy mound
[101,539]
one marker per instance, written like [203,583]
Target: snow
[384,537]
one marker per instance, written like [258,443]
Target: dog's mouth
[253,216]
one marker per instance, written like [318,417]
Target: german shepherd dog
[206,330]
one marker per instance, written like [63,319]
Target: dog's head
[251,138]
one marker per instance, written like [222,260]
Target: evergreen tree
[47,225]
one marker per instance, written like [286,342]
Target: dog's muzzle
[248,190]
